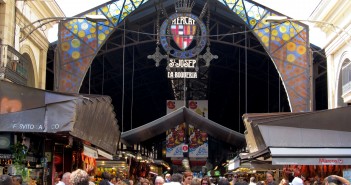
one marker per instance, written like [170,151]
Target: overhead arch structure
[286,43]
[32,71]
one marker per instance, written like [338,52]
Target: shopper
[176,179]
[187,178]
[270,178]
[196,181]
[336,180]
[105,178]
[223,181]
[284,182]
[297,181]
[79,177]
[5,180]
[252,181]
[205,181]
[234,180]
[17,180]
[91,180]
[159,180]
[66,178]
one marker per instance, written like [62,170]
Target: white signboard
[90,152]
[187,64]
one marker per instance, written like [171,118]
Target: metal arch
[287,44]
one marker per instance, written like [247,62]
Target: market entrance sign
[183,64]
[183,36]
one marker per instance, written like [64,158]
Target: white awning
[311,156]
[90,152]
[105,154]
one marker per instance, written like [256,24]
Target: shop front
[176,119]
[66,124]
[244,169]
[310,144]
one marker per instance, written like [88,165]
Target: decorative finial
[184,6]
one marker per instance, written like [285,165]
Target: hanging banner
[175,137]
[199,106]
[198,140]
[173,105]
[175,141]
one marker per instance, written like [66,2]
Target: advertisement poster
[175,136]
[175,140]
[199,106]
[198,140]
[173,105]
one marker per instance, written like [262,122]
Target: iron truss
[138,35]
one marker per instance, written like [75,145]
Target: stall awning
[88,117]
[177,117]
[304,138]
[327,128]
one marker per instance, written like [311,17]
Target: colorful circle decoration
[84,26]
[81,34]
[75,54]
[301,50]
[291,46]
[290,57]
[190,53]
[75,43]
[102,36]
[65,46]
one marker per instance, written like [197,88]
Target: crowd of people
[297,180]
[80,177]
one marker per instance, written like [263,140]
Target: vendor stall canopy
[306,138]
[183,115]
[88,117]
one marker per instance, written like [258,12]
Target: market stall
[309,144]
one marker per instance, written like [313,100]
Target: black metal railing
[16,69]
